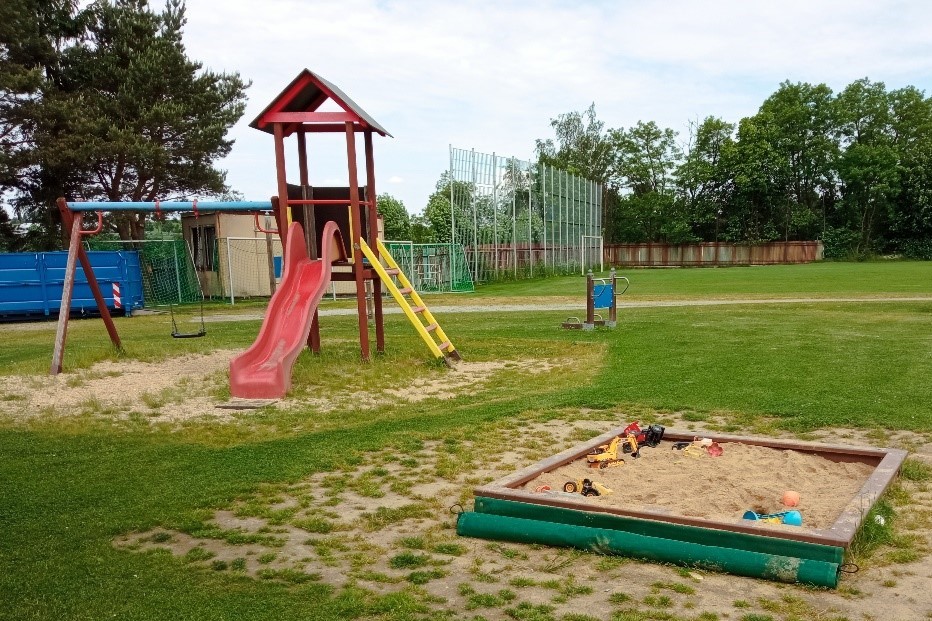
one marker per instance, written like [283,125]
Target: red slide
[264,370]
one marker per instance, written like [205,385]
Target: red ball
[790,498]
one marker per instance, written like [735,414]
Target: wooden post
[590,303]
[613,309]
[309,222]
[76,252]
[64,311]
[270,251]
[373,243]
[357,235]
[285,215]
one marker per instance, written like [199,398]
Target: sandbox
[687,508]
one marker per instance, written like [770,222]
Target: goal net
[168,274]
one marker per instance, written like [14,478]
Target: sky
[490,75]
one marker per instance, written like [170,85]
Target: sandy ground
[185,389]
[346,527]
[722,488]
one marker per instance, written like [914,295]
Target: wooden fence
[712,253]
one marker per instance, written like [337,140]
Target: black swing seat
[188,335]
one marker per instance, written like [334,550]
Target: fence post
[230,272]
[177,273]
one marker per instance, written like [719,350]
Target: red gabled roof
[298,104]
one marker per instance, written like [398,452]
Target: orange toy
[790,498]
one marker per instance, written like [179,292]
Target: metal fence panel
[516,219]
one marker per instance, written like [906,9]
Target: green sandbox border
[752,548]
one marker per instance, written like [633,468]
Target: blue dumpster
[31,283]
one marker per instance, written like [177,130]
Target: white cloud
[491,75]
[395,179]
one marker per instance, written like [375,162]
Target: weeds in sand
[423,577]
[916,471]
[198,554]
[291,576]
[408,560]
[383,516]
[315,523]
[676,587]
[450,549]
[658,601]
[522,583]
[267,558]
[529,612]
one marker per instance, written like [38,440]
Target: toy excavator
[633,437]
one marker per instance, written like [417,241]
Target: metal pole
[230,272]
[177,273]
[495,210]
[514,219]
[528,211]
[475,223]
[452,220]
[544,193]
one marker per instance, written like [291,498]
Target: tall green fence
[433,267]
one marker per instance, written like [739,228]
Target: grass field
[76,476]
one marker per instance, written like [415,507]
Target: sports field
[127,494]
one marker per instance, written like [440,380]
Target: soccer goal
[168,274]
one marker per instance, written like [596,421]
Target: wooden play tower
[295,112]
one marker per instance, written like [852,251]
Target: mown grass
[69,487]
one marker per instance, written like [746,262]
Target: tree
[395,218]
[703,183]
[867,167]
[803,124]
[129,117]
[583,147]
[759,174]
[645,158]
[911,218]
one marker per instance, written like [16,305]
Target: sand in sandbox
[720,488]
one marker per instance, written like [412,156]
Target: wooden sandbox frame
[744,547]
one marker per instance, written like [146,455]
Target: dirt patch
[165,391]
[465,375]
[384,525]
[182,389]
[722,488]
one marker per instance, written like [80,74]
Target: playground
[335,500]
[308,458]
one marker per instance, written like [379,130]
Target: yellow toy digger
[607,454]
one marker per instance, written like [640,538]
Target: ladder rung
[431,327]
[443,345]
[405,291]
[392,271]
[418,309]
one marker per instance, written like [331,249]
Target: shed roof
[298,104]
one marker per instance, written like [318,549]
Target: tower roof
[297,106]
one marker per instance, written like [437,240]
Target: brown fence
[712,253]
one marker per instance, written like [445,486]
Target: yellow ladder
[441,348]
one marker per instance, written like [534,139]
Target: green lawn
[69,487]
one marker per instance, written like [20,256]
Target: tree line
[850,168]
[103,103]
